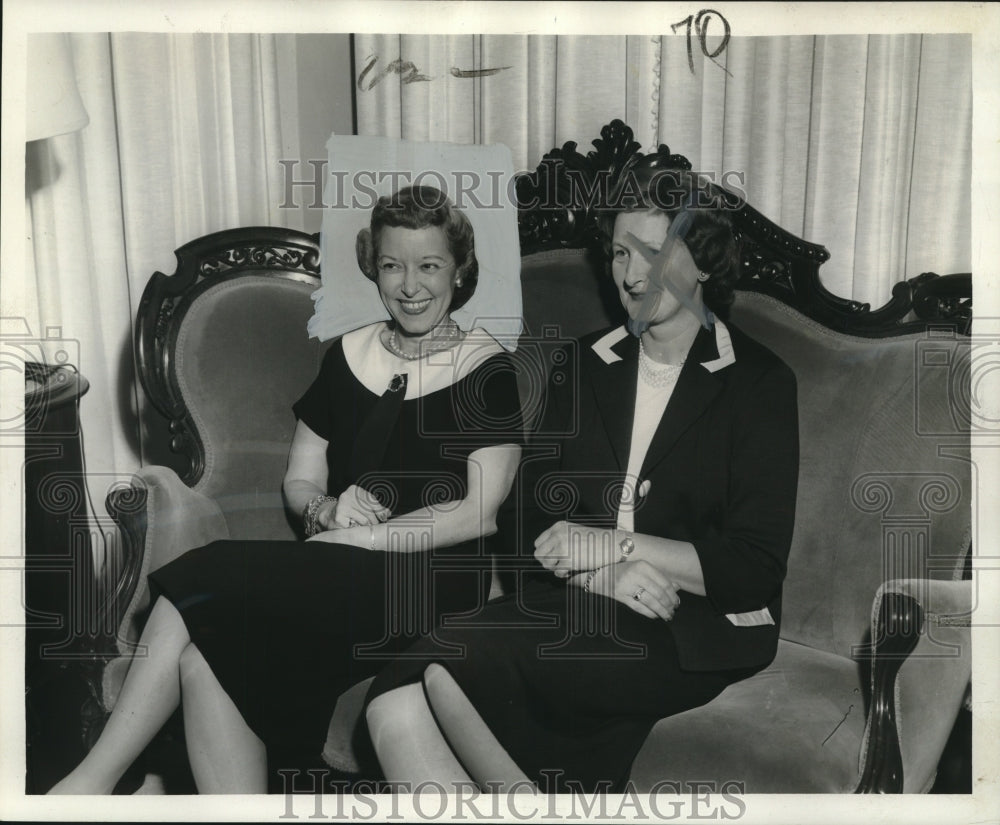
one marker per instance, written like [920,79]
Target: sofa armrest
[161,518]
[921,666]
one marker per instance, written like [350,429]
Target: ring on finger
[638,594]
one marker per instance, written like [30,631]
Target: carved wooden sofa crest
[875,653]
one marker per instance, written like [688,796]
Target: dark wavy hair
[417,207]
[710,238]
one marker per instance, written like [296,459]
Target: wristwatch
[626,545]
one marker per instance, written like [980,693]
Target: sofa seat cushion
[795,727]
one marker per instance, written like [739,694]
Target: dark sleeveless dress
[287,626]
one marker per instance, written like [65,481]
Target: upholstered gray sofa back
[883,450]
[242,359]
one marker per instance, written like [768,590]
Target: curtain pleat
[833,171]
[836,138]
[643,88]
[526,69]
[590,86]
[382,109]
[80,272]
[204,156]
[441,106]
[886,161]
[684,98]
[541,79]
[940,211]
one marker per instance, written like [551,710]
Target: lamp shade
[53,101]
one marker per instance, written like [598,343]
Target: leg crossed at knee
[407,740]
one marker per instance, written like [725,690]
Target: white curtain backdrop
[861,143]
[184,139]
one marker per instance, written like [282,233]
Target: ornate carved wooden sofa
[875,657]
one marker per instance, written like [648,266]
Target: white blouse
[654,386]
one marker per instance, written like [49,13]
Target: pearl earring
[703,276]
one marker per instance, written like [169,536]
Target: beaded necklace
[653,372]
[448,339]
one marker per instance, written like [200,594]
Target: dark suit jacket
[722,471]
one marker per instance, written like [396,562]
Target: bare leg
[468,735]
[150,694]
[408,741]
[225,755]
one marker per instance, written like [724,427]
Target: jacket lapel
[696,386]
[614,389]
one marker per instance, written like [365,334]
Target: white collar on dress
[374,366]
[603,346]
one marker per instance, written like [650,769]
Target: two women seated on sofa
[661,514]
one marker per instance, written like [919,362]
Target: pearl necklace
[654,373]
[448,339]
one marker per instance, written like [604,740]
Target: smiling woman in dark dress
[405,446]
[660,527]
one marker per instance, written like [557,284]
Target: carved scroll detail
[244,257]
[557,210]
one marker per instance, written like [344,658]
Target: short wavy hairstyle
[710,237]
[417,207]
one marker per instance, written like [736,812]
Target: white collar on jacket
[723,344]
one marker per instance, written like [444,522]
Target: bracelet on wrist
[589,580]
[310,515]
[372,545]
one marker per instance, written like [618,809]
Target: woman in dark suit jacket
[657,500]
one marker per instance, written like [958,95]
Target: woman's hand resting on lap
[567,548]
[347,519]
[657,594]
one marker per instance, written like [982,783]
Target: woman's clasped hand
[350,519]
[356,506]
[639,586]
[567,547]
[594,558]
